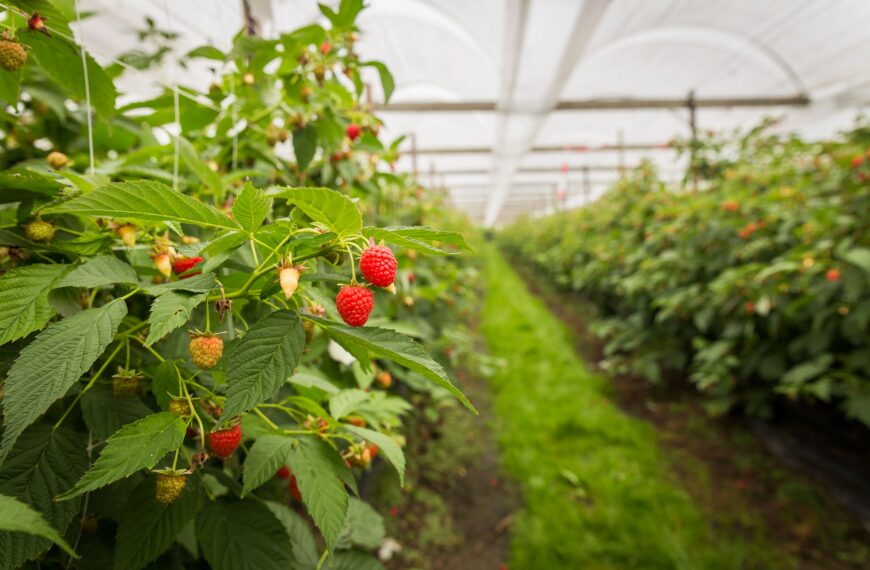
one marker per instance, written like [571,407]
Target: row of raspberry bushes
[755,281]
[128,439]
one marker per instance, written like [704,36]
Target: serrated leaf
[135,446]
[363,527]
[104,414]
[25,185]
[304,145]
[355,560]
[420,238]
[49,365]
[100,271]
[144,200]
[242,535]
[313,378]
[267,455]
[62,62]
[376,342]
[16,516]
[262,361]
[149,528]
[320,474]
[205,174]
[169,312]
[24,299]
[387,446]
[304,548]
[251,207]
[346,402]
[44,463]
[201,283]
[165,383]
[327,207]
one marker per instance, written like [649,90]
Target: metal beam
[578,148]
[600,104]
[527,169]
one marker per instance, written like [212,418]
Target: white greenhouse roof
[500,95]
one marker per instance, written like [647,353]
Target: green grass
[596,490]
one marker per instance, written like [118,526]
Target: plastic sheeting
[527,55]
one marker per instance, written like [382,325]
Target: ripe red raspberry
[355,304]
[225,441]
[184,264]
[169,486]
[833,275]
[353,131]
[294,488]
[12,55]
[206,350]
[39,231]
[283,472]
[378,265]
[325,48]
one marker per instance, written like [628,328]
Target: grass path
[596,490]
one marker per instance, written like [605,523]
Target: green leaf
[346,402]
[165,383]
[205,174]
[355,560]
[10,89]
[304,145]
[376,342]
[262,361]
[26,185]
[149,528]
[313,378]
[387,81]
[135,446]
[144,200]
[24,298]
[364,526]
[170,311]
[321,473]
[44,463]
[62,62]
[100,271]
[334,210]
[49,365]
[207,52]
[267,455]
[201,283]
[16,516]
[104,414]
[304,548]
[242,536]
[859,257]
[387,446]
[251,207]
[418,237]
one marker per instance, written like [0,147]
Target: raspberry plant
[123,437]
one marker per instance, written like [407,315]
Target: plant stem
[322,559]
[263,417]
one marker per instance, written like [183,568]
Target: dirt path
[744,490]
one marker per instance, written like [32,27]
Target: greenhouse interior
[435,284]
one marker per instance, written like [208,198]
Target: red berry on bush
[225,441]
[355,304]
[833,275]
[353,131]
[182,265]
[294,488]
[283,472]
[857,161]
[378,265]
[325,48]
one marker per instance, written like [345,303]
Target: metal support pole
[587,186]
[693,127]
[414,154]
